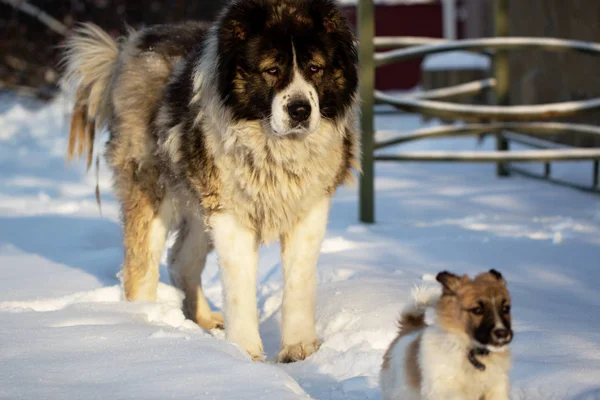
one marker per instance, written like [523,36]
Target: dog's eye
[477,310]
[272,71]
[505,309]
[314,68]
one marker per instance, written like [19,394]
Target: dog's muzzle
[501,336]
[299,112]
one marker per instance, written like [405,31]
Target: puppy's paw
[298,351]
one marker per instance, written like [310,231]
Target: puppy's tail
[413,315]
[90,57]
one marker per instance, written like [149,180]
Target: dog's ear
[240,20]
[329,14]
[449,281]
[497,275]
[334,21]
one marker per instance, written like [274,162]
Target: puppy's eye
[272,71]
[505,309]
[314,69]
[477,310]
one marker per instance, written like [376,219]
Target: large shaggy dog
[464,355]
[234,135]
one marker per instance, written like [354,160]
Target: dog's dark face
[479,307]
[288,63]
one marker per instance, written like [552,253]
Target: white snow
[453,60]
[65,331]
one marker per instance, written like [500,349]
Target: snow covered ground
[65,332]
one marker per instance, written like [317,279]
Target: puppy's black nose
[299,110]
[501,333]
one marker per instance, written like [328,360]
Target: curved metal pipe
[469,111]
[550,44]
[477,129]
[493,156]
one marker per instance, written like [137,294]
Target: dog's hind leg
[186,263]
[147,214]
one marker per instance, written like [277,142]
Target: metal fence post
[502,74]
[366,49]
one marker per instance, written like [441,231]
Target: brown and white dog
[232,135]
[464,354]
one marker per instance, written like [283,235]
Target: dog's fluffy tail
[90,57]
[413,314]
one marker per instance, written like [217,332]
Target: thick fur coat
[464,354]
[234,134]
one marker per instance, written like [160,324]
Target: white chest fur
[269,182]
[448,374]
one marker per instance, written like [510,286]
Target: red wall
[402,20]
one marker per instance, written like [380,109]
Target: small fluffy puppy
[464,354]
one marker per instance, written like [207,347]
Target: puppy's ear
[449,281]
[497,275]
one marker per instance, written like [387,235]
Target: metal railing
[506,122]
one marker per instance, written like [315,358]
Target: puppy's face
[479,308]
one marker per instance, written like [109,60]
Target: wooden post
[366,49]
[449,17]
[502,74]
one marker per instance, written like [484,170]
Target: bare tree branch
[39,14]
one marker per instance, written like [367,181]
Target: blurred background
[29,42]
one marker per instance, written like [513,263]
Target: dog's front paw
[255,350]
[298,351]
[247,340]
[256,353]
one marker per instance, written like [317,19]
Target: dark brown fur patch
[411,363]
[202,173]
[408,324]
[387,357]
[349,162]
[268,61]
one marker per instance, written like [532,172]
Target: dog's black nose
[299,110]
[501,333]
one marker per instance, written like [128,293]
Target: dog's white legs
[300,251]
[237,249]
